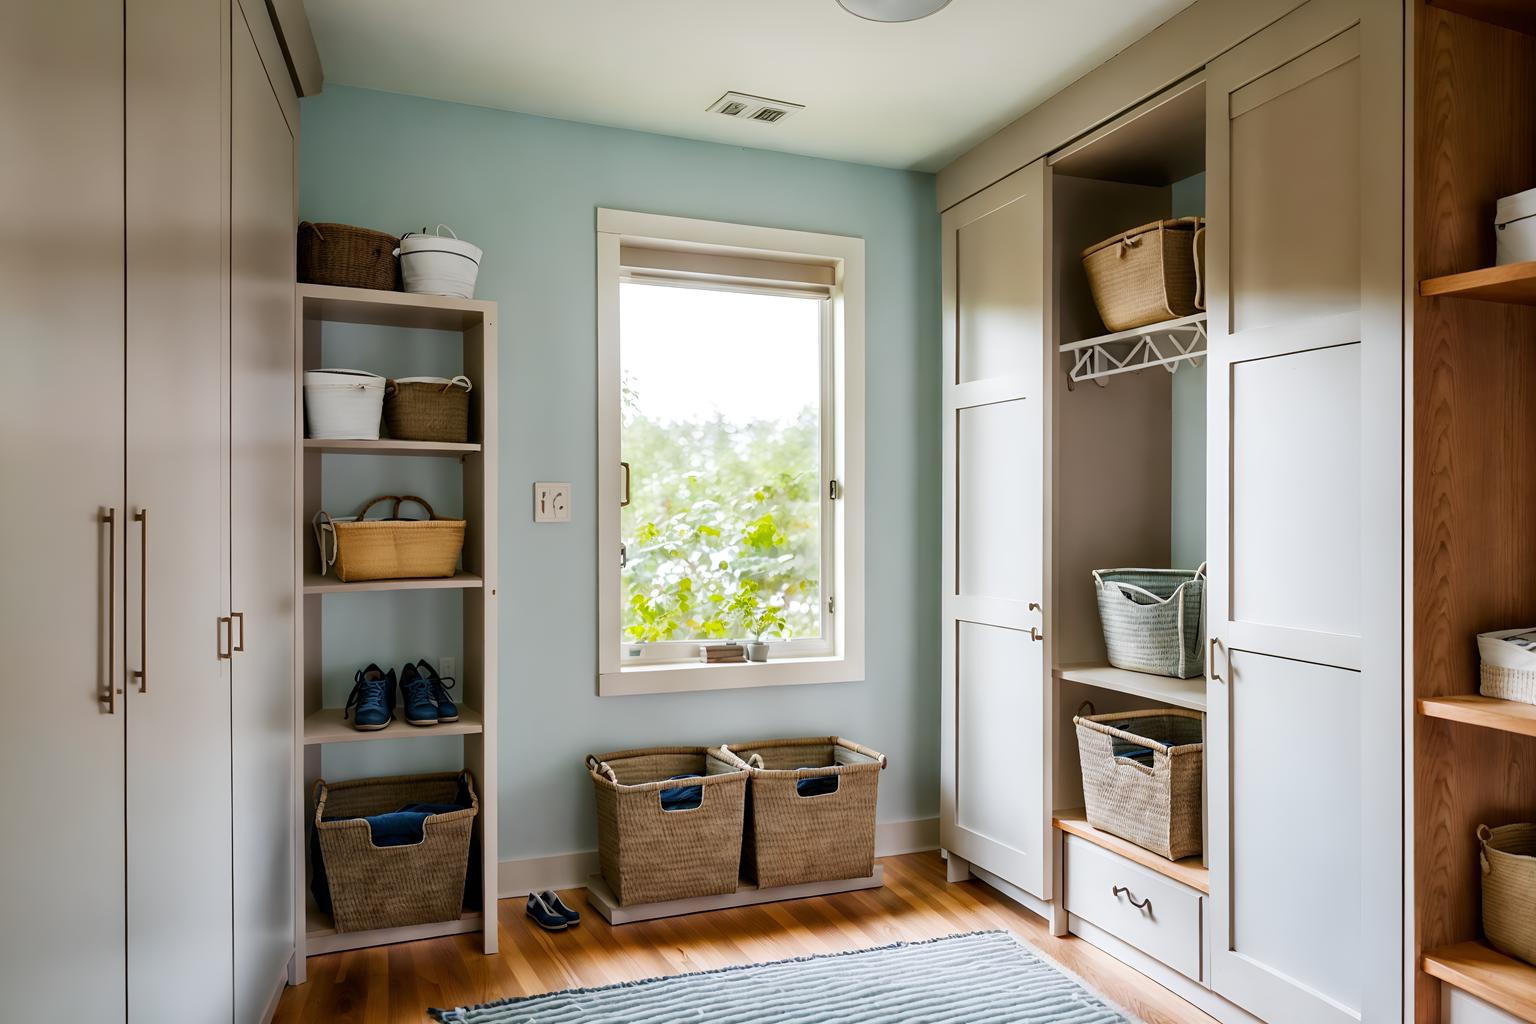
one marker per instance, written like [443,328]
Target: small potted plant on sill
[757,619]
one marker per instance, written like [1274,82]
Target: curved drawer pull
[1120,890]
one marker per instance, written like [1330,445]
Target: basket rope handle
[383,497]
[601,768]
[320,532]
[402,499]
[1484,834]
[313,227]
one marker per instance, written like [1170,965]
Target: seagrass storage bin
[427,409]
[389,549]
[1509,888]
[1153,619]
[1148,274]
[351,257]
[652,855]
[1141,777]
[1508,664]
[392,886]
[796,832]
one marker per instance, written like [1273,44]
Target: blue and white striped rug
[980,978]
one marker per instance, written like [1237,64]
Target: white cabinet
[1152,913]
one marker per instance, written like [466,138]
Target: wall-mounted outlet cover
[552,502]
[446,666]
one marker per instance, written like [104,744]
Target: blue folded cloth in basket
[820,785]
[682,798]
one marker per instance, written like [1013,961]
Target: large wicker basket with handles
[352,257]
[798,828]
[652,855]
[1141,776]
[392,886]
[388,549]
[1509,888]
[1153,619]
[1148,274]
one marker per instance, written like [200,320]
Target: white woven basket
[1509,664]
[431,264]
[343,405]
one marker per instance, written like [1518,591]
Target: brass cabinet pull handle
[1121,890]
[142,674]
[239,647]
[1035,634]
[625,502]
[109,517]
[225,630]
[1214,674]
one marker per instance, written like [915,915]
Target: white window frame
[839,655]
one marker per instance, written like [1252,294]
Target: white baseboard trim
[570,870]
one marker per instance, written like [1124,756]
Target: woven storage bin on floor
[389,549]
[650,855]
[391,886]
[791,838]
[1153,619]
[1148,274]
[1157,807]
[351,257]
[1509,888]
[1508,664]
[427,409]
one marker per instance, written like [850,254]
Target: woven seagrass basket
[652,855]
[1148,274]
[389,549]
[392,886]
[793,838]
[1153,619]
[1156,805]
[1509,888]
[427,409]
[351,257]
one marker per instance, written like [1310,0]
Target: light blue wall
[525,189]
[1188,542]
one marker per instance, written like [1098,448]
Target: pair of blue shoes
[550,912]
[423,692]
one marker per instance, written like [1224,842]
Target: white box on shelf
[1515,228]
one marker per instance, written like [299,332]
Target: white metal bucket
[343,405]
[431,264]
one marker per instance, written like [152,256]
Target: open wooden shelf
[1519,15]
[1488,712]
[392,309]
[321,936]
[1513,283]
[1190,871]
[1482,971]
[327,726]
[389,446]
[1181,693]
[602,899]
[316,584]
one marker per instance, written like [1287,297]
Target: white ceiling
[911,95]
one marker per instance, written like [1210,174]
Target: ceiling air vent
[745,107]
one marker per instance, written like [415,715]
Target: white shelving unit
[471,327]
[1169,344]
[1180,693]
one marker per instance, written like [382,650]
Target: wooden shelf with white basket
[467,329]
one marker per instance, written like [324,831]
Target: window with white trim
[731,453]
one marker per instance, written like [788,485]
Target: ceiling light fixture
[893,10]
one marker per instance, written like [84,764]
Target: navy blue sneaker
[416,695]
[447,710]
[553,901]
[373,695]
[545,916]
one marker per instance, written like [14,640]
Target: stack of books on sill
[723,654]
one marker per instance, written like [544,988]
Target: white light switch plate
[552,503]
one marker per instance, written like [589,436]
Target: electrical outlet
[551,503]
[445,667]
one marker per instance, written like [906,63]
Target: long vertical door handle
[109,517]
[225,628]
[625,501]
[1215,641]
[239,617]
[142,674]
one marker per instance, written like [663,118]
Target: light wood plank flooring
[396,983]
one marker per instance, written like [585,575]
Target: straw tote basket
[1155,806]
[1153,619]
[1148,274]
[1509,888]
[652,855]
[389,549]
[427,409]
[793,838]
[392,886]
[351,257]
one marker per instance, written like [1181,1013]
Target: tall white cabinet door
[178,792]
[262,582]
[62,952]
[994,811]
[1296,924]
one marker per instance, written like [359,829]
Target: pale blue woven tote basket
[1153,619]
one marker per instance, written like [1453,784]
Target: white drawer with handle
[1156,915]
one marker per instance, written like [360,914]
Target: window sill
[690,678]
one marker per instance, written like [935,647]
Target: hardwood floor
[396,983]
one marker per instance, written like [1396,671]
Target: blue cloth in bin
[682,798]
[404,827]
[821,785]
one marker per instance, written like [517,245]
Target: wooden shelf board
[316,584]
[1480,970]
[321,936]
[1513,283]
[389,446]
[327,726]
[1488,712]
[1190,871]
[1519,15]
[601,897]
[1181,693]
[392,309]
